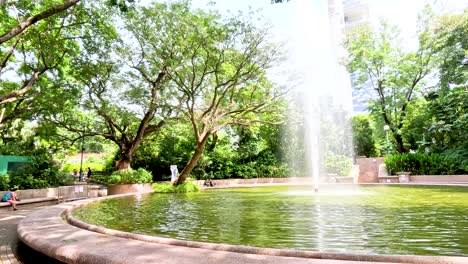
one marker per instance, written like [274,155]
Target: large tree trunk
[400,146]
[123,164]
[125,159]
[193,161]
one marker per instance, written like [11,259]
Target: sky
[303,25]
[400,12]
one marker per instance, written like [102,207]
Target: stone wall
[35,193]
[66,191]
[368,169]
[439,178]
[234,182]
[128,188]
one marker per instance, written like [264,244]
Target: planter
[129,188]
[404,177]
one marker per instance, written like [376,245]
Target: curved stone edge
[46,231]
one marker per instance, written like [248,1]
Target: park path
[10,245]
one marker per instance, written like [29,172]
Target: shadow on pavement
[27,255]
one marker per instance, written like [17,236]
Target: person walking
[89,173]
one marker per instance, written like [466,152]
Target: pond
[422,220]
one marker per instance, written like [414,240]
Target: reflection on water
[385,220]
[325,193]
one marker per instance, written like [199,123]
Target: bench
[36,201]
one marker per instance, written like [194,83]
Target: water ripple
[386,220]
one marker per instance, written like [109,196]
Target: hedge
[426,164]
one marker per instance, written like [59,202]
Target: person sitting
[11,198]
[208,183]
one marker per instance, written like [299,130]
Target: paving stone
[9,241]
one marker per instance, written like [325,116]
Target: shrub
[246,171]
[181,188]
[129,176]
[28,181]
[338,164]
[4,182]
[272,170]
[41,172]
[364,142]
[426,164]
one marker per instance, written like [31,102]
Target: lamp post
[82,151]
[386,128]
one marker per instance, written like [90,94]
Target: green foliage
[27,181]
[41,172]
[70,167]
[395,74]
[338,164]
[452,45]
[4,182]
[216,91]
[221,160]
[170,188]
[418,118]
[363,136]
[448,127]
[245,171]
[42,56]
[427,164]
[264,164]
[130,176]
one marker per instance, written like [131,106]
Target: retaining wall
[440,178]
[35,193]
[368,169]
[93,191]
[128,188]
[234,182]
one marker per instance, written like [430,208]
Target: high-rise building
[357,13]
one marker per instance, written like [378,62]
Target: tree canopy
[396,75]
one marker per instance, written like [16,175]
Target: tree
[396,75]
[33,62]
[364,143]
[126,91]
[145,71]
[38,42]
[418,118]
[17,26]
[450,33]
[118,122]
[447,105]
[222,78]
[449,111]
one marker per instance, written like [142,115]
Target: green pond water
[424,220]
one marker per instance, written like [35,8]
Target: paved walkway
[9,242]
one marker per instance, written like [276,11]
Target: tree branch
[13,96]
[34,19]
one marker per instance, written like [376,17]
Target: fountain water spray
[322,96]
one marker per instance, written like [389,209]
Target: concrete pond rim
[63,231]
